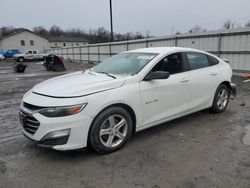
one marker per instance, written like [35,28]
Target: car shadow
[87,153]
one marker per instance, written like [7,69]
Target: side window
[29,52]
[197,60]
[171,63]
[212,60]
[34,52]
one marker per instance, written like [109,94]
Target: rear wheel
[221,99]
[110,130]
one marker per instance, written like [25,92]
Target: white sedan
[2,57]
[103,106]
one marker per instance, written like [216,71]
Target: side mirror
[157,75]
[226,60]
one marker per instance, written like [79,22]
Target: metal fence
[233,45]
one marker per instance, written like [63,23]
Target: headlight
[62,111]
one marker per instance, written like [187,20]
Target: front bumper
[78,126]
[49,143]
[233,90]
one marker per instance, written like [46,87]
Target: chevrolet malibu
[103,106]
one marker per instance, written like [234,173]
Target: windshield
[126,63]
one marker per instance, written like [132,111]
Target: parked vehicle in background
[30,55]
[103,106]
[11,52]
[2,57]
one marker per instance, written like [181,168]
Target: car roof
[164,50]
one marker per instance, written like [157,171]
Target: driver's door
[162,99]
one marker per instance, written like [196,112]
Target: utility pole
[111,21]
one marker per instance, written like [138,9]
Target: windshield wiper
[110,75]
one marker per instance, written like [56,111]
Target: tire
[221,99]
[21,59]
[110,130]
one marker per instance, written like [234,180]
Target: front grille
[32,107]
[29,123]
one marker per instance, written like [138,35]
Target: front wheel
[110,130]
[221,99]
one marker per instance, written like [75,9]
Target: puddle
[246,138]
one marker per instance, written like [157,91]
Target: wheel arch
[123,105]
[226,83]
[127,107]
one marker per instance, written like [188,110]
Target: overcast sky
[159,17]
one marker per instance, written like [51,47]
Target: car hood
[77,84]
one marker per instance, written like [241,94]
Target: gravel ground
[199,150]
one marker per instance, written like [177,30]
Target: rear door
[166,98]
[35,55]
[203,80]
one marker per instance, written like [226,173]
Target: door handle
[213,73]
[184,80]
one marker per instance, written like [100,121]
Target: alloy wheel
[113,131]
[222,99]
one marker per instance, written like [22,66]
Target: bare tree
[40,30]
[55,31]
[195,29]
[229,24]
[247,24]
[5,30]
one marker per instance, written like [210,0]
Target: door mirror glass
[157,75]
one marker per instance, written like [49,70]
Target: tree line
[228,24]
[101,34]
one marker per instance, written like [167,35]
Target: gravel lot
[199,150]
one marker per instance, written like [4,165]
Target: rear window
[212,60]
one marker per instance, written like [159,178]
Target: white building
[62,41]
[24,40]
[27,40]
